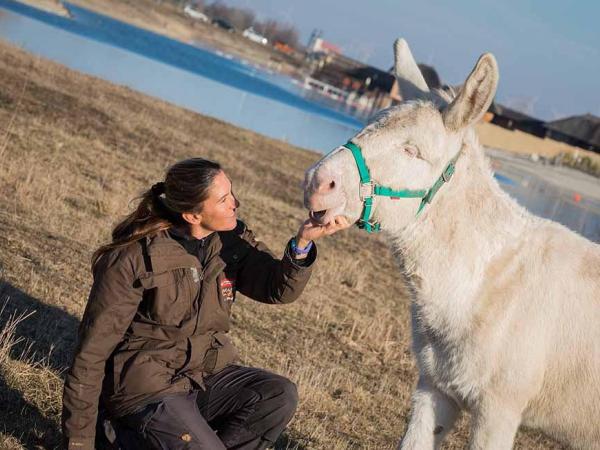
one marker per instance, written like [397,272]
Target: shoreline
[169,20]
[51,6]
[562,177]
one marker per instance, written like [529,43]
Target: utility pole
[316,34]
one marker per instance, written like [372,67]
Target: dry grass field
[516,141]
[74,150]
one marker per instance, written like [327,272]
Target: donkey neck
[444,254]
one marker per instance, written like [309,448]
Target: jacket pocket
[225,352]
[170,295]
[143,374]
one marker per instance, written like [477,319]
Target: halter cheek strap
[369,189]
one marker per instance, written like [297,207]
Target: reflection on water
[578,213]
[234,91]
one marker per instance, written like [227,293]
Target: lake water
[232,90]
[579,211]
[182,74]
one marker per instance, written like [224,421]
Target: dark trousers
[241,408]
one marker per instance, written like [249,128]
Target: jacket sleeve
[264,278]
[111,306]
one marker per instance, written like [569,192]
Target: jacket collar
[167,254]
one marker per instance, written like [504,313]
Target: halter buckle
[366,190]
[447,174]
[370,226]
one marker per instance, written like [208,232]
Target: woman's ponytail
[160,207]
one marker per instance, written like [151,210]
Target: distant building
[366,89]
[515,120]
[319,45]
[359,85]
[581,131]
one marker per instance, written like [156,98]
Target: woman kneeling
[153,353]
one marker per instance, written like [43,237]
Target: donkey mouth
[325,216]
[318,216]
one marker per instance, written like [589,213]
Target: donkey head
[405,147]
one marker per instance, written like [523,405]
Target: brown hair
[184,189]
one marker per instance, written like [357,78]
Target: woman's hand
[311,230]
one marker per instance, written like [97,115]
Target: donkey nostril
[332,185]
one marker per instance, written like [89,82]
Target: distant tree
[178,3]
[288,34]
[217,10]
[241,18]
[197,4]
[267,28]
[238,17]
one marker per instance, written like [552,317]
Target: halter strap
[369,189]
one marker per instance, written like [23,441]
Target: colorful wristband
[303,251]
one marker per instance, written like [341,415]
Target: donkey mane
[439,98]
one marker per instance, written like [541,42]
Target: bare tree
[217,10]
[268,28]
[288,34]
[242,18]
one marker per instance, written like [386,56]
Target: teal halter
[369,189]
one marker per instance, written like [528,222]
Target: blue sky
[548,51]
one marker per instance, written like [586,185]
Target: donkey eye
[411,150]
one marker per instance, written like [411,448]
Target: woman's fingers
[338,223]
[342,221]
[312,230]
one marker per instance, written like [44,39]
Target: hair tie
[158,189]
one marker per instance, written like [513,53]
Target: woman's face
[219,209]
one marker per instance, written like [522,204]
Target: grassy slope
[74,150]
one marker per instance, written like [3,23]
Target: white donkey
[505,305]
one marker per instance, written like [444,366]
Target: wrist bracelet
[303,251]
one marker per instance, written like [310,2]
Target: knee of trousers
[279,400]
[281,394]
[290,396]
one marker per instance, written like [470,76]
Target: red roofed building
[319,45]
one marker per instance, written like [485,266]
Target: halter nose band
[368,189]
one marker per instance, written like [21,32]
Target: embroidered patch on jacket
[228,289]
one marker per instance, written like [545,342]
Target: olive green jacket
[156,321]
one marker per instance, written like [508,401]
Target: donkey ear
[410,79]
[475,97]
